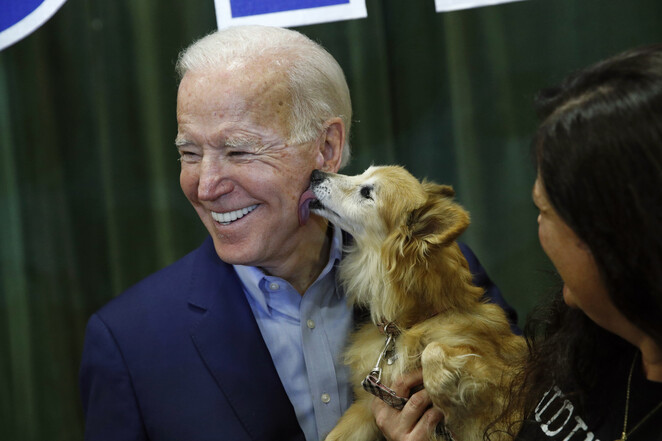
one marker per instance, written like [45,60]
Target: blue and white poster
[19,18]
[454,5]
[286,13]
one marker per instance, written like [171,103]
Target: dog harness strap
[384,393]
[377,370]
[372,382]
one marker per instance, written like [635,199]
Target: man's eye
[240,153]
[366,192]
[187,156]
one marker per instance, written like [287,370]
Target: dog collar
[388,329]
[392,329]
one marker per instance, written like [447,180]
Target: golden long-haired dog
[405,266]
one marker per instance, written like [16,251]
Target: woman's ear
[332,144]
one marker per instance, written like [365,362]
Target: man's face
[237,168]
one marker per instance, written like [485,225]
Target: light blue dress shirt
[306,336]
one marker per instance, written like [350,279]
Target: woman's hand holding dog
[416,421]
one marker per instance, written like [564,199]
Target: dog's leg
[357,424]
[454,379]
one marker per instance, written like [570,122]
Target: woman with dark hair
[595,369]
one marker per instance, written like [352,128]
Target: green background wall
[89,195]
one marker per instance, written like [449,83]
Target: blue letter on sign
[244,8]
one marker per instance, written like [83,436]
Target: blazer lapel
[229,341]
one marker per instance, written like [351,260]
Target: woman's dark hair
[599,157]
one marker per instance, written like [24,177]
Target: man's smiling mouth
[231,216]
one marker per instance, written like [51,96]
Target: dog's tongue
[304,206]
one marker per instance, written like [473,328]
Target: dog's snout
[316,177]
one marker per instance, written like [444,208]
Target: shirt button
[273,286]
[311,325]
[326,398]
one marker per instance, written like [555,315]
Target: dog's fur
[405,266]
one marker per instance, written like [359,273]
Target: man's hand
[416,421]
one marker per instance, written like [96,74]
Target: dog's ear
[440,220]
[437,189]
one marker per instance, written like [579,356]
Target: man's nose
[213,181]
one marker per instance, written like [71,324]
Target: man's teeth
[230,216]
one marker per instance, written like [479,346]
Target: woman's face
[583,287]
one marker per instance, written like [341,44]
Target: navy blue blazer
[179,356]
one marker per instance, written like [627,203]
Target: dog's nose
[316,176]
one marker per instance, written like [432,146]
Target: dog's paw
[437,378]
[447,376]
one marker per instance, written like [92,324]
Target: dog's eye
[366,192]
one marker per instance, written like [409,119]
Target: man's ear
[332,145]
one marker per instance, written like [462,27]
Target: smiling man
[242,338]
[244,171]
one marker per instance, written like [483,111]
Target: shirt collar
[254,280]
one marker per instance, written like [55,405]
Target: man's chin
[232,253]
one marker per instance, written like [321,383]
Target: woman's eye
[366,192]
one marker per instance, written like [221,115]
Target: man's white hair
[316,82]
